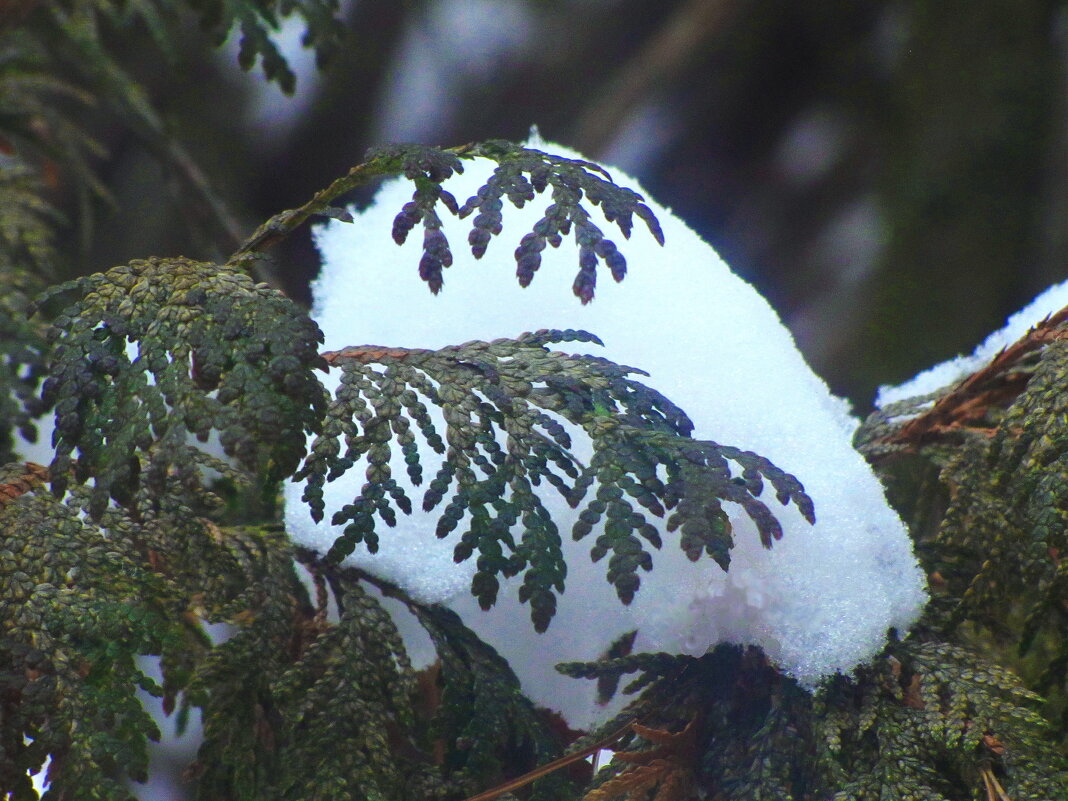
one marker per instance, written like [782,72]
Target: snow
[953,370]
[819,602]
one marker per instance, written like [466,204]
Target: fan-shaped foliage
[77,605]
[504,405]
[155,350]
[926,720]
[995,530]
[571,180]
[119,568]
[22,361]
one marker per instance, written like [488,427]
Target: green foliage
[27,253]
[427,167]
[223,354]
[255,22]
[39,125]
[22,357]
[997,533]
[933,723]
[504,405]
[481,694]
[926,720]
[1005,529]
[259,19]
[78,604]
[570,180]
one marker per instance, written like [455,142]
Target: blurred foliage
[124,549]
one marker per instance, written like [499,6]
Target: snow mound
[819,602]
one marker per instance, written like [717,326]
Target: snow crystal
[820,601]
[953,370]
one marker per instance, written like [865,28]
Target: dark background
[893,176]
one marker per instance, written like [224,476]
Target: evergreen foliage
[502,404]
[121,553]
[223,353]
[994,522]
[571,180]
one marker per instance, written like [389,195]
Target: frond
[505,406]
[40,123]
[997,446]
[570,181]
[480,694]
[22,352]
[932,722]
[76,608]
[255,23]
[152,351]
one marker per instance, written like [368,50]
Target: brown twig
[369,354]
[20,483]
[552,767]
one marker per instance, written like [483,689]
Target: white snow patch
[956,369]
[819,602]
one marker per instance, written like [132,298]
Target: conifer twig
[285,222]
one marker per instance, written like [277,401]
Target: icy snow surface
[953,370]
[820,601]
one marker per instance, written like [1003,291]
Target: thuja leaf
[22,362]
[479,694]
[932,721]
[77,606]
[154,350]
[501,415]
[352,684]
[521,174]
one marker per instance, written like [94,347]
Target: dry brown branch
[368,354]
[552,767]
[33,477]
[667,768]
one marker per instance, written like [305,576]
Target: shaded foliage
[78,606]
[155,350]
[926,719]
[481,694]
[22,362]
[993,522]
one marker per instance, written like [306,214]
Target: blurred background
[893,176]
